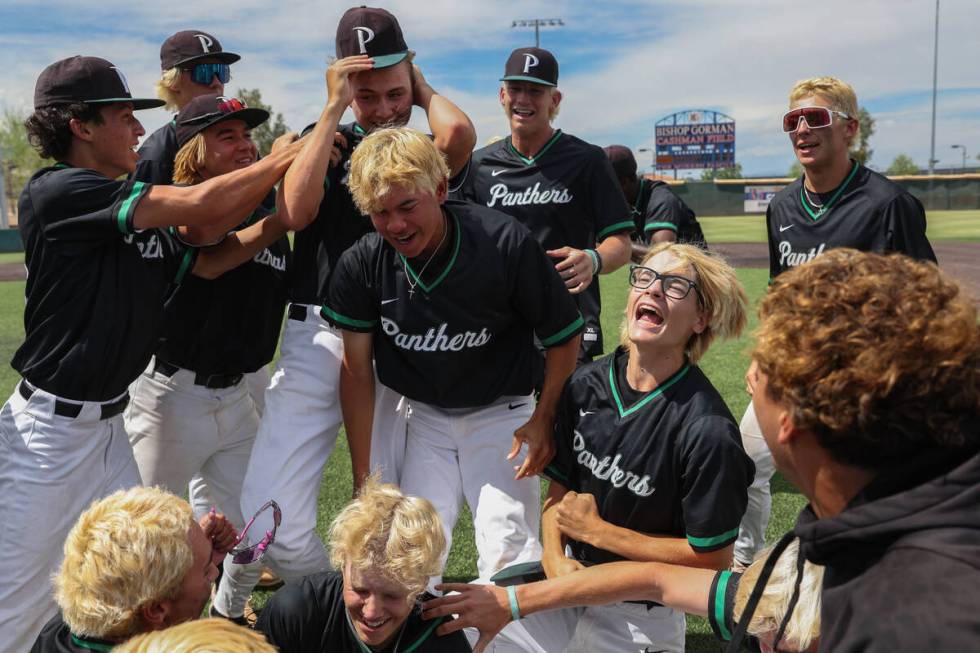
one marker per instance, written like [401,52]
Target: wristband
[596,261]
[515,610]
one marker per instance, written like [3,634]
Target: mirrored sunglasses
[203,73]
[815,117]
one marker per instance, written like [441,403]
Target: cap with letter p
[85,79]
[371,31]
[531,65]
[191,45]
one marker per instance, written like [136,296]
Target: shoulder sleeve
[905,223]
[351,304]
[546,305]
[721,604]
[562,466]
[82,205]
[612,214]
[154,172]
[663,211]
[716,477]
[292,620]
[156,157]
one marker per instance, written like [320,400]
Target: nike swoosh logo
[789,226]
[494,173]
[513,406]
[583,413]
[388,301]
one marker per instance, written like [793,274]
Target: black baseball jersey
[156,162]
[463,334]
[866,212]
[95,286]
[231,324]
[567,195]
[311,616]
[667,462]
[337,226]
[657,208]
[56,637]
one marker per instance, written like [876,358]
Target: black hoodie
[902,561]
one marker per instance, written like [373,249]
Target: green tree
[735,172]
[903,165]
[795,170]
[862,153]
[18,158]
[271,129]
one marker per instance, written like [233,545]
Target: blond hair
[189,161]
[724,297]
[126,550]
[167,88]
[803,626]
[840,95]
[386,532]
[202,636]
[396,156]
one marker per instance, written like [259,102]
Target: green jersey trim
[653,394]
[832,201]
[619,226]
[92,645]
[122,217]
[349,321]
[425,635]
[660,225]
[531,160]
[555,473]
[564,333]
[449,265]
[359,130]
[186,264]
[704,542]
[719,607]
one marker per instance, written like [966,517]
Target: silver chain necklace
[816,205]
[408,277]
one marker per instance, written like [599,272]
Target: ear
[556,97]
[442,190]
[501,95]
[704,319]
[851,129]
[81,130]
[788,431]
[155,614]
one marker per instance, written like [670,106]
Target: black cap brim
[250,116]
[222,57]
[138,103]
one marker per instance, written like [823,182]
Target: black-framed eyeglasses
[245,553]
[674,286]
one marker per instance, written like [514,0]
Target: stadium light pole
[653,158]
[935,72]
[960,147]
[537,23]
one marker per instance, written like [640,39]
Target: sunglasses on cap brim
[204,73]
[815,117]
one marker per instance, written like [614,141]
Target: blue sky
[624,64]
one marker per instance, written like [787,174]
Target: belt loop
[297,312]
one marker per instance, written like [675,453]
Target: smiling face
[656,321]
[377,606]
[529,106]
[114,142]
[383,96]
[228,147]
[826,146]
[412,222]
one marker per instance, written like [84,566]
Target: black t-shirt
[866,212]
[231,324]
[156,162]
[311,616]
[56,637]
[95,287]
[657,208]
[669,461]
[465,335]
[567,195]
[338,225]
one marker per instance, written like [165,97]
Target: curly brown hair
[878,356]
[48,130]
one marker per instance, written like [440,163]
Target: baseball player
[440,297]
[658,214]
[836,203]
[649,466]
[375,77]
[100,259]
[561,188]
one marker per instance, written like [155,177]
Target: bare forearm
[452,131]
[559,363]
[357,406]
[634,545]
[303,188]
[238,247]
[552,540]
[615,252]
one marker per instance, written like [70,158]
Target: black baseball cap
[206,110]
[531,65]
[191,45]
[85,79]
[622,160]
[371,31]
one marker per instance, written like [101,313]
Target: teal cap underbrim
[526,78]
[387,60]
[138,103]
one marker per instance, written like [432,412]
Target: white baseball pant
[461,454]
[752,530]
[51,469]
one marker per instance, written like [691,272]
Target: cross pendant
[411,292]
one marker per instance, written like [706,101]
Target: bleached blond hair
[803,627]
[189,161]
[395,156]
[386,532]
[167,88]
[725,301]
[202,636]
[840,95]
[125,551]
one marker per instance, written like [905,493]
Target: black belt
[297,312]
[212,381]
[72,410]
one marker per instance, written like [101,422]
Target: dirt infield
[962,260]
[12,271]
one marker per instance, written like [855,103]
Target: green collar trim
[60,165]
[452,260]
[531,160]
[653,394]
[360,131]
[91,644]
[832,201]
